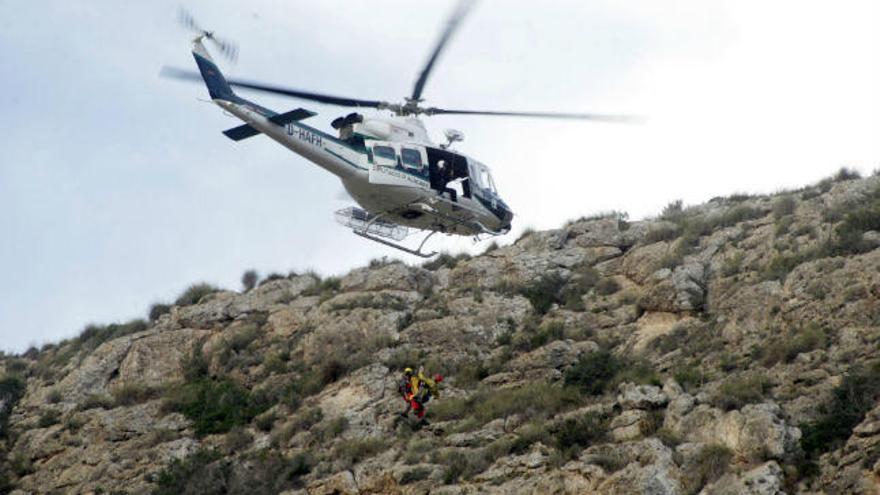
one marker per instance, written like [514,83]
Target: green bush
[673,212]
[461,465]
[445,260]
[470,373]
[545,292]
[782,264]
[736,392]
[332,429]
[783,207]
[662,233]
[710,464]
[583,280]
[95,335]
[271,278]
[206,472]
[194,365]
[97,401]
[351,452]
[850,401]
[790,345]
[324,288]
[732,264]
[49,417]
[601,370]
[134,393]
[12,389]
[215,406]
[194,293]
[249,280]
[536,400]
[157,310]
[689,377]
[607,286]
[846,174]
[574,434]
[548,332]
[54,396]
[414,475]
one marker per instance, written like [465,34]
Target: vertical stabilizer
[218,88]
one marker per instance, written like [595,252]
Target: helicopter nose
[506,219]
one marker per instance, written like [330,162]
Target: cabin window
[411,158]
[385,152]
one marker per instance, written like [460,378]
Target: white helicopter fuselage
[383,185]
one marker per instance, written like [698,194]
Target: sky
[118,190]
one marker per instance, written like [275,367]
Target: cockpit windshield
[481,175]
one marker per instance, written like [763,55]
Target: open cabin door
[396,164]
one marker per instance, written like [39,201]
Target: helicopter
[402,181]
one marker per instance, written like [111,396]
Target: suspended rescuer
[417,390]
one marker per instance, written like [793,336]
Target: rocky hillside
[725,348]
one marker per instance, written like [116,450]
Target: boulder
[154,358]
[392,276]
[632,396]
[757,431]
[557,355]
[766,479]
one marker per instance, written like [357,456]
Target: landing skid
[375,228]
[415,252]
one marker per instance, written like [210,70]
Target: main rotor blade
[464,6]
[624,119]
[295,93]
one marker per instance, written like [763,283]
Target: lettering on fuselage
[304,135]
[400,175]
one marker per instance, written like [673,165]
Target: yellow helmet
[408,371]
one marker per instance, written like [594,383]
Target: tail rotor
[227,48]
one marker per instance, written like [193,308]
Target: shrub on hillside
[531,401]
[783,206]
[545,292]
[194,293]
[351,452]
[157,310]
[578,433]
[673,212]
[271,278]
[134,393]
[710,464]
[12,388]
[850,401]
[600,371]
[788,347]
[95,335]
[207,472]
[49,417]
[215,406]
[249,280]
[736,392]
[607,286]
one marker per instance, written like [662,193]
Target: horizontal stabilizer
[241,132]
[246,131]
[291,116]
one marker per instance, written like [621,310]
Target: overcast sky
[117,188]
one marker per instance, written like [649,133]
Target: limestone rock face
[755,431]
[766,479]
[754,312]
[393,276]
[632,396]
[154,358]
[96,371]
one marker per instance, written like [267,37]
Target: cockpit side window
[486,178]
[385,152]
[411,158]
